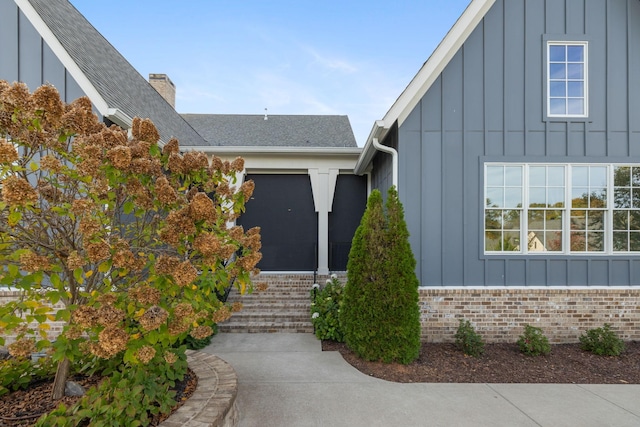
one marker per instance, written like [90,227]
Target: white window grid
[566,226]
[584,80]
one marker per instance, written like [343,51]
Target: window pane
[635,197]
[513,176]
[535,242]
[578,220]
[580,176]
[537,177]
[574,89]
[622,176]
[495,197]
[595,220]
[634,241]
[556,175]
[557,106]
[575,71]
[575,53]
[578,241]
[620,220]
[579,197]
[492,241]
[511,241]
[575,106]
[536,219]
[511,220]
[598,176]
[595,241]
[598,198]
[553,241]
[537,197]
[620,241]
[554,220]
[634,220]
[557,71]
[495,176]
[558,89]
[513,197]
[555,197]
[622,198]
[493,219]
[635,176]
[557,53]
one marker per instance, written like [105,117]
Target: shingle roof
[113,77]
[277,131]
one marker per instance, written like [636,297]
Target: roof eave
[279,151]
[420,84]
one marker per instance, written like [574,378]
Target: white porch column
[323,185]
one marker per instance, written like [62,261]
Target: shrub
[325,310]
[533,342]
[380,314]
[468,340]
[602,341]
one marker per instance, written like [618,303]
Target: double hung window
[561,208]
[567,79]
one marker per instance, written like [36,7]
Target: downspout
[394,159]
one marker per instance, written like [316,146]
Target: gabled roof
[239,130]
[115,88]
[418,87]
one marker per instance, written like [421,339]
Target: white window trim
[566,221]
[586,78]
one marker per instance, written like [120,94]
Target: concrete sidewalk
[286,380]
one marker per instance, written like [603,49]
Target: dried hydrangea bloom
[50,163]
[47,99]
[85,316]
[145,353]
[100,187]
[113,340]
[8,153]
[178,225]
[183,311]
[176,163]
[165,192]
[18,192]
[171,147]
[178,325]
[108,298]
[207,244]
[170,357]
[228,250]
[90,226]
[140,166]
[185,273]
[216,164]
[144,130]
[109,315]
[224,190]
[97,350]
[140,149]
[201,207]
[74,260]
[73,332]
[236,307]
[201,332]
[248,262]
[252,242]
[262,286]
[247,188]
[114,136]
[22,348]
[120,157]
[82,206]
[194,161]
[221,314]
[124,258]
[145,294]
[237,165]
[98,251]
[166,264]
[32,262]
[153,318]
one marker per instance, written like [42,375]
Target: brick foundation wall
[500,315]
[55,327]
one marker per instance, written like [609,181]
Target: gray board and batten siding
[488,105]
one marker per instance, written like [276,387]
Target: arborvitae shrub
[380,314]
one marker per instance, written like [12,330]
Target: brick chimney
[165,87]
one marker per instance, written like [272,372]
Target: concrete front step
[260,327]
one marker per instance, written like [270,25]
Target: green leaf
[14,218]
[128,207]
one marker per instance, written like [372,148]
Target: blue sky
[291,56]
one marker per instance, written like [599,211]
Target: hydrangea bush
[133,237]
[325,310]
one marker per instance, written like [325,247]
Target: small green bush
[533,342]
[325,310]
[602,341]
[468,340]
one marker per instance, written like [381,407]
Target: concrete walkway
[287,380]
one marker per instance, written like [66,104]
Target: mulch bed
[504,363]
[24,407]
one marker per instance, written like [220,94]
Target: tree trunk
[62,373]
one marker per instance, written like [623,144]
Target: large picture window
[567,79]
[561,208]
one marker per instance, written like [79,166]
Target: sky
[334,57]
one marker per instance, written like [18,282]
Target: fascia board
[67,61]
[276,151]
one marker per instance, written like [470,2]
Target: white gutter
[280,151]
[394,159]
[119,117]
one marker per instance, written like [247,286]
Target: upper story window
[567,83]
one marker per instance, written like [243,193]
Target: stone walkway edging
[213,404]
